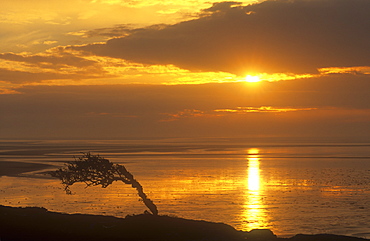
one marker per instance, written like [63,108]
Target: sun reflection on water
[253,214]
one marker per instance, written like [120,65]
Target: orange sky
[113,69]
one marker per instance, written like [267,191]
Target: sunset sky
[116,69]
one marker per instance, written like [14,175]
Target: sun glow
[252,79]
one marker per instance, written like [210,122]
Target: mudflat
[8,168]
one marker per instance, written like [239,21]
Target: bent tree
[94,170]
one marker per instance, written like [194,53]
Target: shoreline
[35,223]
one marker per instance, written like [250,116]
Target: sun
[252,79]
[253,151]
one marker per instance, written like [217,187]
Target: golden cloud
[346,70]
[262,109]
[191,113]
[183,114]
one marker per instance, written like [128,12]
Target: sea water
[289,188]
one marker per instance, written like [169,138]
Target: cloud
[105,114]
[122,111]
[262,109]
[18,77]
[193,113]
[49,61]
[47,77]
[365,70]
[26,25]
[53,65]
[91,70]
[119,30]
[272,36]
[187,113]
[6,91]
[333,105]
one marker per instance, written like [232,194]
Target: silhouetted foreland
[38,224]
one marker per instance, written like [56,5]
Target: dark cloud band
[273,36]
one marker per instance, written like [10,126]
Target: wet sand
[17,168]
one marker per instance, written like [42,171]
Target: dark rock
[324,237]
[261,234]
[38,224]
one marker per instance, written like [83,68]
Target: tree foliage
[94,170]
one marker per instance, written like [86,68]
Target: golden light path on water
[253,213]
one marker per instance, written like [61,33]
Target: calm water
[288,188]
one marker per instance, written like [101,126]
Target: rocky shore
[38,224]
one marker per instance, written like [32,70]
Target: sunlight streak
[253,208]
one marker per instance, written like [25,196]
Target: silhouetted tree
[94,170]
